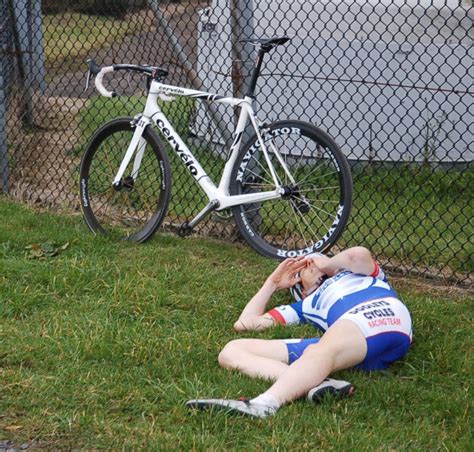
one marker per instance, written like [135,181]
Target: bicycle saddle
[268,44]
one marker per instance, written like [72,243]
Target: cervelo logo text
[172,90]
[267,136]
[319,244]
[185,157]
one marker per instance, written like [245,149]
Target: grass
[415,214]
[72,36]
[102,344]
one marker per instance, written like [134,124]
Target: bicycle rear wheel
[138,207]
[315,208]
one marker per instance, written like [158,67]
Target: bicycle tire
[137,210]
[302,221]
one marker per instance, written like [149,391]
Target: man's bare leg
[257,358]
[342,346]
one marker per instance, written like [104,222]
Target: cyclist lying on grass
[348,298]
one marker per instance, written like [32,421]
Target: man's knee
[229,355]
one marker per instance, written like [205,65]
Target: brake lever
[129,80]
[93,70]
[93,67]
[88,81]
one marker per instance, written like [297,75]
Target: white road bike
[289,186]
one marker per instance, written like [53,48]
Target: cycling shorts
[386,325]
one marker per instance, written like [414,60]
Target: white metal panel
[369,121]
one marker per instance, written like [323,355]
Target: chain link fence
[390,80]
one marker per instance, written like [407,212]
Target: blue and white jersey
[333,298]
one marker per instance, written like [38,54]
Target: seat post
[256,71]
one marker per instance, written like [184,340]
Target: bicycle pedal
[185,230]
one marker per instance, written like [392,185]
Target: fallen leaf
[44,250]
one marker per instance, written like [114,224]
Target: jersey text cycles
[187,160]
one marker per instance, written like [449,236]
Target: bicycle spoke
[314,207]
[109,163]
[263,168]
[319,189]
[255,184]
[103,191]
[320,220]
[260,177]
[299,225]
[298,163]
[319,177]
[307,224]
[322,200]
[314,169]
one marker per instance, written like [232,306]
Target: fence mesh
[391,81]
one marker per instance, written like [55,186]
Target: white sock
[267,400]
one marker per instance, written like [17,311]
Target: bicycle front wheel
[314,209]
[137,208]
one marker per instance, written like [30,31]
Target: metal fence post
[4,171]
[35,31]
[242,28]
[191,73]
[19,23]
[4,40]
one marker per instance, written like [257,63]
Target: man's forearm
[257,305]
[252,317]
[357,260]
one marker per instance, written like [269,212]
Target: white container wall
[389,80]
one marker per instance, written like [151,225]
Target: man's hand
[286,274]
[324,264]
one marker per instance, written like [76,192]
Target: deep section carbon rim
[315,207]
[136,208]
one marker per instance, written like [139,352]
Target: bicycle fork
[137,144]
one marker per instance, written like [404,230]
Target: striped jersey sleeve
[378,272]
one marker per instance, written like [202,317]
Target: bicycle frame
[219,197]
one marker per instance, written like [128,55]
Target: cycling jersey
[333,298]
[368,301]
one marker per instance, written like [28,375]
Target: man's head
[312,276]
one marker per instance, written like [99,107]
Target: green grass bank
[102,342]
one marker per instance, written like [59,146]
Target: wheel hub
[292,192]
[287,192]
[127,184]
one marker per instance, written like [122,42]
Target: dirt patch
[434,287]
[43,164]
